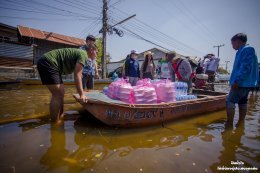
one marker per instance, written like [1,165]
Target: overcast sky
[190,27]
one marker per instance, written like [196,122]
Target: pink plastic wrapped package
[144,82]
[113,88]
[144,95]
[125,93]
[165,91]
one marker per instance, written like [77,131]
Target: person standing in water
[244,76]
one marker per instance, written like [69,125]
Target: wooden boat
[120,114]
[37,81]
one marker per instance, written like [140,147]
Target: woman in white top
[148,67]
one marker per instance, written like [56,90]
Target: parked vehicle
[118,71]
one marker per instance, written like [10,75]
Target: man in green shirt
[52,66]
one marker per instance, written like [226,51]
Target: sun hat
[148,53]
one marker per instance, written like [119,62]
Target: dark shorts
[238,96]
[48,73]
[88,81]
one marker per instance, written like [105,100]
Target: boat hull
[123,115]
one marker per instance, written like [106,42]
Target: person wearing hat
[182,68]
[52,66]
[148,67]
[90,70]
[211,66]
[132,71]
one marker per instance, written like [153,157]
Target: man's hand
[96,76]
[83,99]
[235,86]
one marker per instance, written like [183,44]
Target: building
[21,47]
[157,55]
[46,41]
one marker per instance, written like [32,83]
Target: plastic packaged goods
[165,91]
[144,82]
[144,95]
[105,90]
[185,97]
[113,89]
[125,93]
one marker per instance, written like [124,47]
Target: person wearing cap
[132,71]
[90,39]
[244,76]
[211,66]
[52,66]
[182,68]
[148,67]
[90,70]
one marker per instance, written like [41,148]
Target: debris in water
[83,133]
[41,145]
[164,139]
[114,150]
[141,170]
[206,170]
[91,170]
[150,140]
[98,155]
[193,164]
[177,154]
[70,160]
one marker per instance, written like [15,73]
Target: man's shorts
[48,73]
[238,96]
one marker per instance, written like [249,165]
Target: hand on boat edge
[83,99]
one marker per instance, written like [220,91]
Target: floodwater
[29,143]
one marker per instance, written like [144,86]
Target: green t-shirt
[65,59]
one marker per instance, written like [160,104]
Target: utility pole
[227,64]
[104,39]
[218,46]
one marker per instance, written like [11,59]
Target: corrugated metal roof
[50,36]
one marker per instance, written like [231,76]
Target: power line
[163,35]
[47,19]
[77,7]
[142,38]
[49,13]
[48,6]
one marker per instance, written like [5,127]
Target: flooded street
[29,143]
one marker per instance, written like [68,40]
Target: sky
[188,27]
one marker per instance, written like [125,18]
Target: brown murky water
[29,143]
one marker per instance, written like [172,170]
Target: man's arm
[187,67]
[171,71]
[78,80]
[96,71]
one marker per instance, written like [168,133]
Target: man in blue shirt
[243,77]
[132,71]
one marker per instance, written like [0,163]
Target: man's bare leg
[57,100]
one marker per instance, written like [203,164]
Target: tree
[99,55]
[222,71]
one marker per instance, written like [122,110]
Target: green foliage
[222,71]
[99,55]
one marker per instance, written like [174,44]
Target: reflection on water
[199,144]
